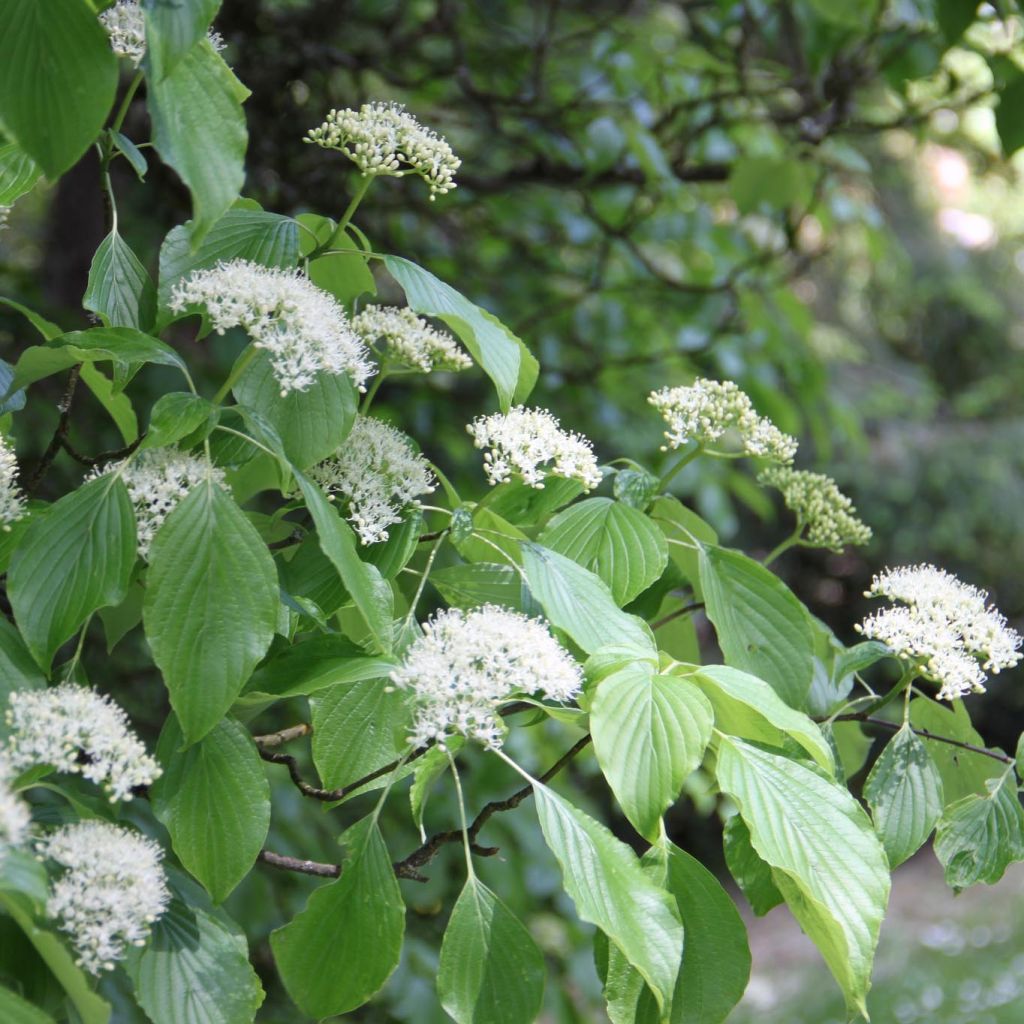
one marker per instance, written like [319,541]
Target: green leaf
[119,289]
[610,890]
[685,531]
[955,17]
[24,878]
[848,14]
[130,152]
[173,27]
[214,800]
[75,559]
[1010,115]
[122,346]
[346,275]
[15,1010]
[115,402]
[241,234]
[979,837]
[199,130]
[476,583]
[491,971]
[523,505]
[341,949]
[575,600]
[650,731]
[358,727]
[46,328]
[211,605]
[904,792]
[18,173]
[502,356]
[18,669]
[773,182]
[751,873]
[762,628]
[617,543]
[311,424]
[747,706]
[177,415]
[58,77]
[826,859]
[195,970]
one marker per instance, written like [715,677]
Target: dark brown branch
[332,795]
[883,723]
[56,442]
[103,457]
[678,613]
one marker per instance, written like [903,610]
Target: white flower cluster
[945,626]
[112,890]
[126,26]
[531,442]
[12,501]
[828,515]
[410,340]
[378,473]
[709,410]
[384,138]
[75,729]
[14,813]
[157,480]
[302,328]
[5,212]
[467,663]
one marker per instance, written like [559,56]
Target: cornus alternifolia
[302,328]
[157,480]
[827,516]
[77,730]
[385,139]
[12,501]
[467,663]
[14,813]
[126,25]
[110,893]
[409,340]
[709,411]
[378,473]
[530,443]
[945,627]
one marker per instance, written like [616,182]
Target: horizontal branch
[883,723]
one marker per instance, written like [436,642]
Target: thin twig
[103,457]
[883,723]
[304,867]
[59,434]
[678,613]
[275,739]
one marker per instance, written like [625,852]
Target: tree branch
[59,434]
[883,723]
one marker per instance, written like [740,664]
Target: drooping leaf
[175,415]
[684,532]
[122,346]
[113,400]
[119,288]
[751,873]
[75,559]
[491,971]
[18,173]
[476,583]
[130,152]
[173,27]
[211,605]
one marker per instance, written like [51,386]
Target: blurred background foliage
[815,198]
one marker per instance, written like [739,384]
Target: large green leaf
[18,669]
[113,400]
[122,346]
[1009,116]
[199,130]
[18,173]
[57,79]
[491,971]
[173,27]
[211,605]
[650,731]
[175,415]
[75,559]
[337,953]
[503,357]
[15,1010]
[826,859]
[476,583]
[617,543]
[358,727]
[574,599]
[762,628]
[608,886]
[751,873]
[685,532]
[904,792]
[214,800]
[747,706]
[979,837]
[119,288]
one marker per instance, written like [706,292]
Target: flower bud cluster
[828,515]
[111,891]
[409,339]
[379,475]
[302,328]
[126,25]
[384,139]
[709,411]
[12,501]
[944,626]
[467,663]
[532,444]
[77,730]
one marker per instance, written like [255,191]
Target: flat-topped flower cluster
[125,23]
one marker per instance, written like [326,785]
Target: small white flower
[828,515]
[467,663]
[77,730]
[15,818]
[111,892]
[709,410]
[302,328]
[532,444]
[379,475]
[943,625]
[383,138]
[126,25]
[12,501]
[410,340]
[5,212]
[157,480]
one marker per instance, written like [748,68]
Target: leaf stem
[241,365]
[791,541]
[683,460]
[462,815]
